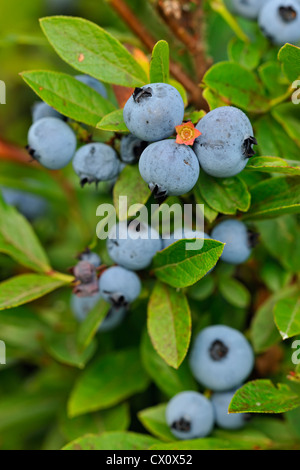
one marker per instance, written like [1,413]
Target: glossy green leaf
[93,51]
[89,327]
[154,420]
[262,396]
[64,349]
[159,66]
[239,85]
[113,122]
[289,55]
[225,195]
[179,266]
[18,240]
[275,197]
[105,382]
[287,317]
[25,288]
[169,324]
[131,185]
[288,116]
[112,441]
[235,292]
[69,96]
[274,165]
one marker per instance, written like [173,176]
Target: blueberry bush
[138,342]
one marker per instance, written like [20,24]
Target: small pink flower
[187,133]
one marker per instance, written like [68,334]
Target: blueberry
[238,239]
[220,402]
[279,21]
[153,112]
[91,257]
[190,415]
[246,8]
[170,169]
[119,286]
[96,162]
[93,83]
[52,142]
[131,148]
[226,142]
[82,306]
[41,110]
[30,205]
[179,235]
[133,247]
[221,358]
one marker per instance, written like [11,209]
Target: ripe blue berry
[246,8]
[170,169]
[93,83]
[153,111]
[133,247]
[279,21]
[51,142]
[131,148]
[180,235]
[41,110]
[119,286]
[96,162]
[226,142]
[239,240]
[190,415]
[221,358]
[220,402]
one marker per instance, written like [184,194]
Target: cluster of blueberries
[279,20]
[221,359]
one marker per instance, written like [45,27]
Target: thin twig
[146,38]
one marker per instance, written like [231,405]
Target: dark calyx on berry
[253,238]
[118,300]
[288,14]
[30,150]
[182,425]
[157,191]
[218,350]
[248,150]
[142,93]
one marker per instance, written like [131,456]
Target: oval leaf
[169,324]
[112,441]
[113,122]
[159,67]
[287,317]
[92,50]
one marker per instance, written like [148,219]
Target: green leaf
[262,396]
[281,238]
[18,240]
[131,185]
[202,289]
[287,317]
[182,267]
[225,195]
[105,383]
[113,122]
[275,197]
[288,116]
[166,378]
[89,327]
[25,288]
[273,79]
[113,419]
[289,55]
[235,292]
[264,333]
[92,50]
[209,213]
[112,441]
[69,96]
[246,54]
[63,348]
[274,165]
[154,420]
[169,324]
[159,66]
[239,85]
[273,140]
